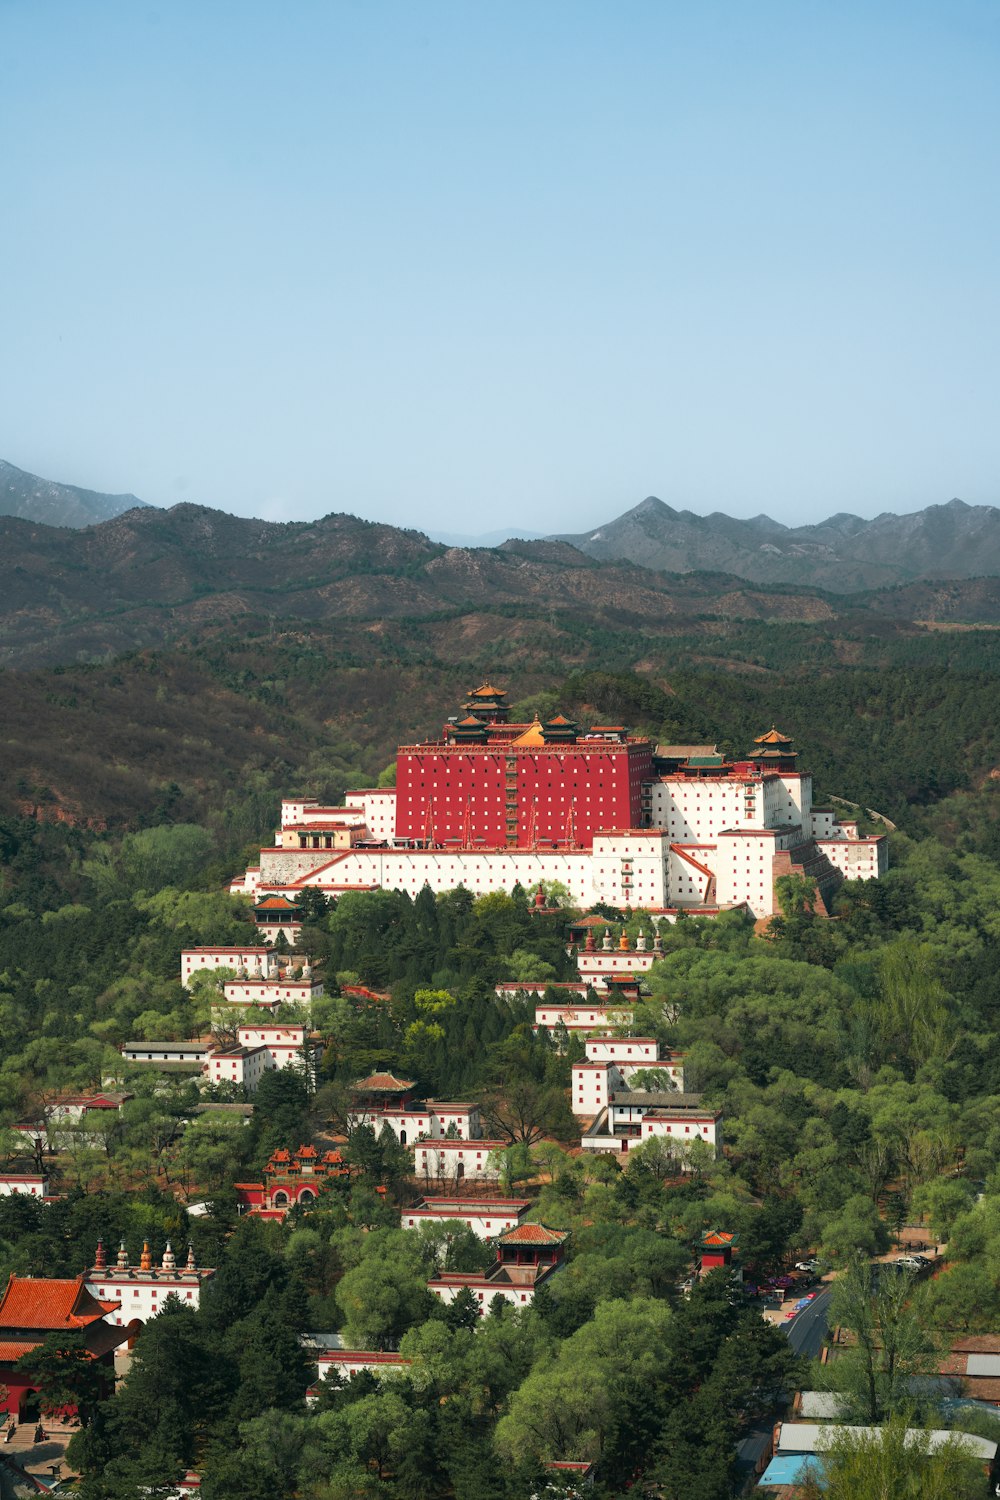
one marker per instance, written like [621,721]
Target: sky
[482,265]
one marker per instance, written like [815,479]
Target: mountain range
[150,577]
[842,554]
[54,504]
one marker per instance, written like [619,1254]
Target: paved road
[805,1332]
[807,1329]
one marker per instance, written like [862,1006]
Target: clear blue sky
[459,265]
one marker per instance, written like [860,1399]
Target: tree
[875,1373]
[386,1292]
[652,1081]
[895,1461]
[568,1403]
[66,1374]
[463,1312]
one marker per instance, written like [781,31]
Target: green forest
[856,1062]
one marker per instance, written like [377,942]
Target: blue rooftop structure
[791,1468]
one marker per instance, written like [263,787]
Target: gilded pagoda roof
[773,737]
[532,735]
[487,690]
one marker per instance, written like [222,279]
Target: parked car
[911,1262]
[810,1266]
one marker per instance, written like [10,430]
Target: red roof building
[290,1182]
[31,1308]
[527,1255]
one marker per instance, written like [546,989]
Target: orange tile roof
[385,1083]
[718,1237]
[274,903]
[532,735]
[772,737]
[37,1302]
[488,691]
[9,1351]
[532,1234]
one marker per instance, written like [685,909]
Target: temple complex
[490,804]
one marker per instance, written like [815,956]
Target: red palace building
[33,1307]
[491,783]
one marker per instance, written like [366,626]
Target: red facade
[503,794]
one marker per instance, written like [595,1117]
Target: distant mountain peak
[844,553]
[51,503]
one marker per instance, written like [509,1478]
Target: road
[807,1329]
[805,1332]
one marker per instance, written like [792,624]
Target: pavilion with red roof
[527,1255]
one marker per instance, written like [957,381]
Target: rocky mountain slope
[841,554]
[53,504]
[152,576]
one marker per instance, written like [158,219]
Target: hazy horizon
[452,267]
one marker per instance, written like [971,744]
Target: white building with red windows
[583,1019]
[193,960]
[635,1115]
[488,804]
[142,1290]
[612,1063]
[260,1049]
[32,1184]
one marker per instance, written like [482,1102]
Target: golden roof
[532,735]
[773,737]
[488,691]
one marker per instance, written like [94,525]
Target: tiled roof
[384,1083]
[532,1234]
[532,735]
[274,903]
[772,737]
[718,1239]
[488,691]
[37,1302]
[9,1351]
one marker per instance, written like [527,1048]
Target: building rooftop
[50,1304]
[672,1101]
[533,1234]
[383,1083]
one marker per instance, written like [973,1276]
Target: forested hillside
[856,1061]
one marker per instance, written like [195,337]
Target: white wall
[485,1222]
[592,1083]
[193,959]
[143,1293]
